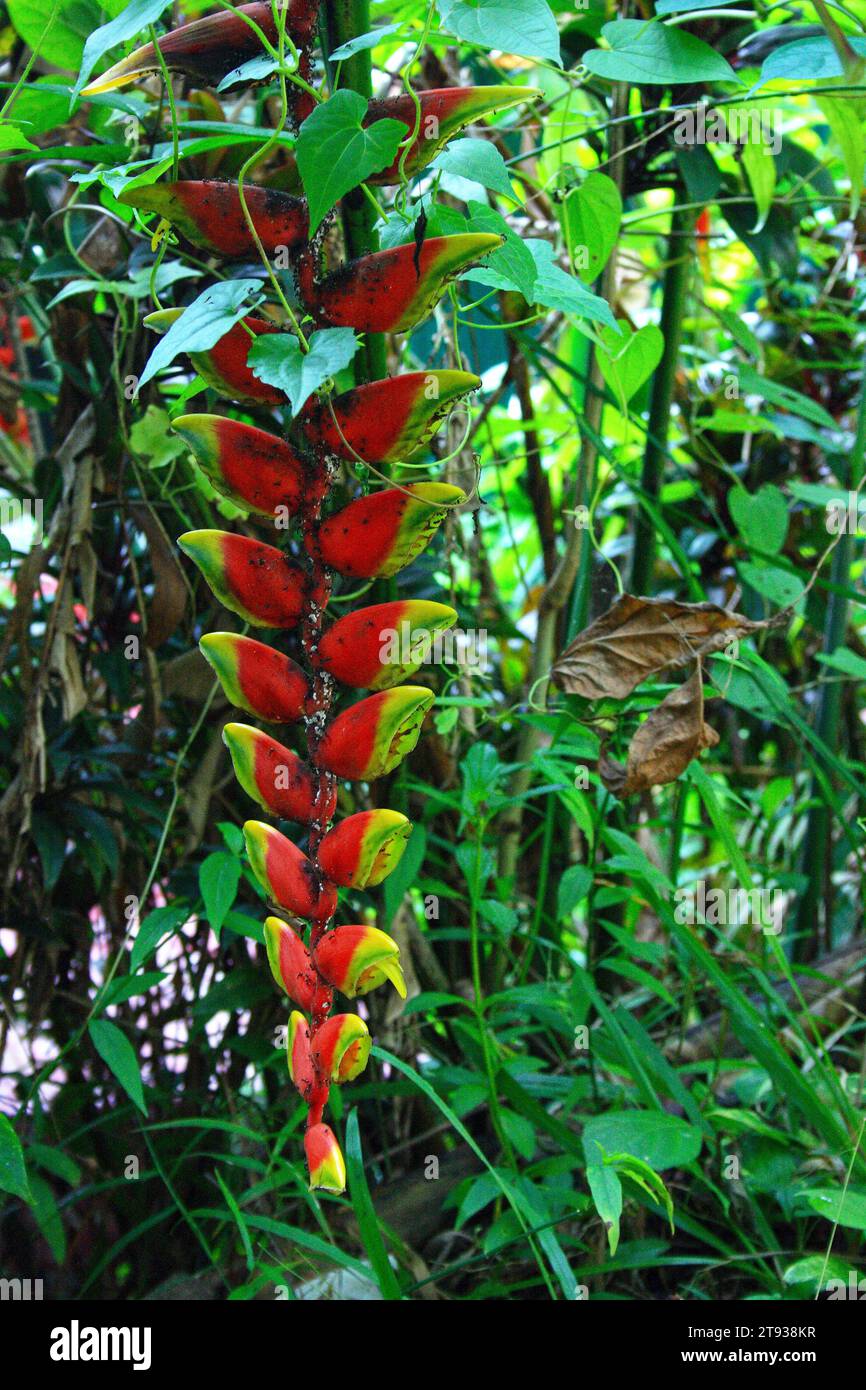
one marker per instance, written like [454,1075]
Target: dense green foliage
[630,912]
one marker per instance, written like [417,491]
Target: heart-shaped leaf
[629,358]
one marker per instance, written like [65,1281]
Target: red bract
[257,678]
[371,738]
[209,213]
[444,112]
[210,48]
[376,536]
[287,875]
[255,469]
[390,291]
[291,965]
[386,421]
[276,777]
[254,580]
[363,849]
[375,648]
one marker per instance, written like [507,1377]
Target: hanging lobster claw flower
[257,678]
[255,469]
[390,291]
[224,366]
[209,213]
[355,959]
[276,777]
[364,848]
[287,874]
[370,738]
[376,648]
[256,581]
[389,420]
[444,112]
[291,964]
[325,1162]
[378,535]
[207,49]
[341,1047]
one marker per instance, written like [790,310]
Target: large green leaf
[13,1174]
[218,880]
[59,38]
[203,323]
[480,161]
[655,55]
[662,1141]
[806,60]
[591,215]
[278,360]
[131,22]
[336,151]
[117,1052]
[525,27]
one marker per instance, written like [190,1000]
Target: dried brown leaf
[639,637]
[670,737]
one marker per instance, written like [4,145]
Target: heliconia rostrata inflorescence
[373,537]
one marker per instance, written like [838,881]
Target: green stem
[344,20]
[816,854]
[674,291]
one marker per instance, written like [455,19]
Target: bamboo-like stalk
[817,849]
[344,20]
[674,290]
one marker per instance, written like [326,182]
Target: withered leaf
[639,637]
[670,737]
[169,590]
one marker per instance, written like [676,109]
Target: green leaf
[151,436]
[806,60]
[666,7]
[60,40]
[407,873]
[156,925]
[554,288]
[11,138]
[218,880]
[760,167]
[753,384]
[573,888]
[117,1052]
[365,1215]
[53,1161]
[255,70]
[362,42]
[47,1216]
[277,359]
[524,27]
[779,586]
[846,117]
[13,1173]
[655,55]
[606,1190]
[204,322]
[520,1132]
[136,17]
[336,152]
[591,215]
[629,358]
[480,161]
[761,517]
[662,1141]
[842,1208]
